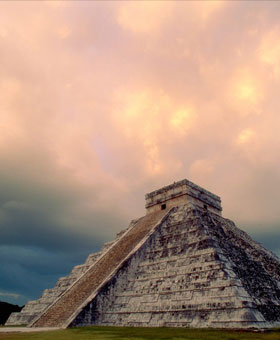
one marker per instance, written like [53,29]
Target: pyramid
[180,265]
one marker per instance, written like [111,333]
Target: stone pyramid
[181,265]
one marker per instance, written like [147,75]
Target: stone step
[61,312]
[34,308]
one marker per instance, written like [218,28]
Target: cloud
[101,102]
[151,119]
[145,17]
[269,51]
[29,270]
[12,295]
[246,92]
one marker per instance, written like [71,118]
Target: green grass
[127,333]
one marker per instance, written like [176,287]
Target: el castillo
[181,265]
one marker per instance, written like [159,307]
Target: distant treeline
[6,309]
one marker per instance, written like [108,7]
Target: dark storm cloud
[270,241]
[48,224]
[101,102]
[29,270]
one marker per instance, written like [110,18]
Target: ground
[126,333]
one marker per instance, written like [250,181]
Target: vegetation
[126,333]
[6,309]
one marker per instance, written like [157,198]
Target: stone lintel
[180,193]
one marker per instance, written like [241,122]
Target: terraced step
[33,309]
[62,312]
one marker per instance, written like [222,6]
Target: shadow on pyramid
[181,265]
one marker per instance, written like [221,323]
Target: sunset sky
[104,101]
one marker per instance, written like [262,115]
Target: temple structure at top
[181,193]
[181,265]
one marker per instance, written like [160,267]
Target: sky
[104,101]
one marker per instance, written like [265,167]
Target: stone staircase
[33,309]
[62,311]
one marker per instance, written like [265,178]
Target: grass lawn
[127,333]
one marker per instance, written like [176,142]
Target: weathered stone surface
[33,309]
[180,193]
[197,270]
[183,267]
[65,309]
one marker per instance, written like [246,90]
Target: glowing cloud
[245,136]
[64,32]
[102,101]
[201,169]
[146,114]
[143,16]
[151,119]
[182,120]
[245,92]
[10,120]
[205,9]
[269,50]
